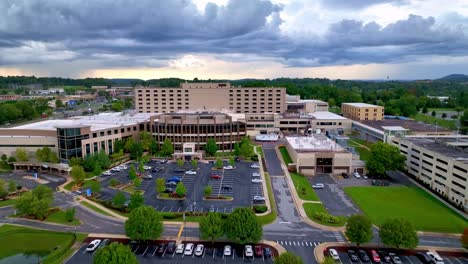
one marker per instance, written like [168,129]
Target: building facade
[362,111]
[210,97]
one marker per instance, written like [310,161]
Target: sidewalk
[264,184]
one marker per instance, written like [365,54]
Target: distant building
[51,91]
[362,111]
[8,97]
[294,104]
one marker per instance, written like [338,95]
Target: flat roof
[408,124]
[326,115]
[314,143]
[394,128]
[96,122]
[361,105]
[444,146]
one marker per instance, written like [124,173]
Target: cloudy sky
[346,39]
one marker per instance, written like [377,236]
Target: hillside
[455,78]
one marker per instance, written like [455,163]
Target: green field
[269,218]
[284,153]
[59,218]
[303,187]
[449,124]
[312,208]
[7,202]
[414,204]
[364,153]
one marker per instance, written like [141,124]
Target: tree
[36,202]
[211,148]
[359,229]
[4,158]
[288,258]
[21,154]
[194,164]
[167,149]
[70,214]
[180,189]
[398,232]
[433,113]
[11,186]
[58,103]
[115,253]
[242,226]
[219,163]
[3,191]
[444,115]
[119,200]
[128,144]
[132,172]
[384,157]
[43,154]
[141,166]
[95,186]
[136,200]
[160,185]
[144,223]
[78,174]
[113,182]
[464,238]
[136,150]
[180,163]
[236,149]
[208,190]
[137,182]
[245,148]
[424,110]
[211,226]
[328,260]
[153,148]
[118,145]
[11,159]
[232,162]
[117,106]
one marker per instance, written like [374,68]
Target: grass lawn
[130,189]
[301,182]
[94,208]
[227,154]
[16,240]
[414,204]
[449,124]
[7,202]
[312,208]
[364,154]
[59,218]
[260,151]
[269,218]
[284,152]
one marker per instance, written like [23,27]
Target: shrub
[326,218]
[254,158]
[260,208]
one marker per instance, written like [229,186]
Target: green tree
[36,202]
[59,103]
[433,113]
[211,148]
[359,229]
[444,115]
[288,258]
[21,154]
[211,226]
[232,162]
[115,253]
[144,223]
[128,144]
[43,154]
[153,148]
[180,189]
[464,238]
[11,186]
[136,200]
[4,158]
[180,163]
[236,149]
[119,200]
[11,159]
[95,186]
[207,191]
[328,260]
[70,214]
[78,174]
[219,163]
[425,110]
[136,150]
[3,191]
[384,157]
[132,172]
[194,164]
[160,185]
[242,226]
[141,167]
[137,182]
[53,158]
[166,148]
[145,140]
[398,232]
[118,145]
[113,182]
[245,148]
[117,106]
[331,102]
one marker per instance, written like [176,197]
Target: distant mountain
[455,78]
[121,81]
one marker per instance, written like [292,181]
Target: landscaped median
[269,218]
[425,212]
[318,213]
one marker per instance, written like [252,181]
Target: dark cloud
[358,4]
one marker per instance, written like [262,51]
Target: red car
[375,256]
[258,251]
[215,176]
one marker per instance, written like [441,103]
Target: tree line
[11,111]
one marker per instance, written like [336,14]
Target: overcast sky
[233,39]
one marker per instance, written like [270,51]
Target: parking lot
[20,180]
[235,185]
[149,253]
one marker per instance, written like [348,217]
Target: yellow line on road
[180,230]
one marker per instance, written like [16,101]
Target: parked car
[180,249]
[171,247]
[178,170]
[375,256]
[174,179]
[356,175]
[237,159]
[163,161]
[255,166]
[318,186]
[248,251]
[191,172]
[93,245]
[226,187]
[384,257]
[188,249]
[212,209]
[161,249]
[334,254]
[169,190]
[258,198]
[104,243]
[353,256]
[227,250]
[199,250]
[228,167]
[363,256]
[435,257]
[107,173]
[171,184]
[395,259]
[425,259]
[148,177]
[256,180]
[258,251]
[215,176]
[157,169]
[267,252]
[345,175]
[255,174]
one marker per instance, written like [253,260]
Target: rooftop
[314,143]
[408,124]
[446,146]
[96,122]
[361,105]
[326,115]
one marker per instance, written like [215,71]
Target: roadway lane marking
[294,243]
[458,260]
[282,222]
[410,260]
[448,260]
[307,243]
[180,230]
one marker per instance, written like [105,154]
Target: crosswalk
[299,243]
[338,236]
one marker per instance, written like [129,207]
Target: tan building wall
[9,144]
[361,111]
[210,96]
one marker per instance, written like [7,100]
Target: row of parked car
[381,256]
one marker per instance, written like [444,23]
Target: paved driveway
[272,161]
